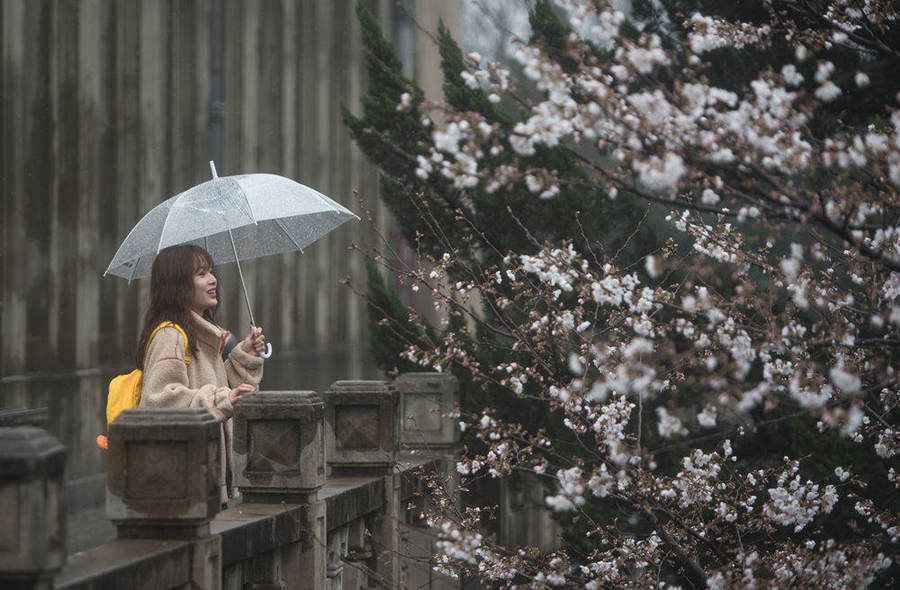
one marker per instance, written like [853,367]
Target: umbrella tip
[212,168]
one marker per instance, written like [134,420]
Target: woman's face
[205,294]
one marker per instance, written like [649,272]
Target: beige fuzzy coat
[205,383]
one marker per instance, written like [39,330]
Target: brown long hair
[172,292]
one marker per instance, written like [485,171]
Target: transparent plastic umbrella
[233,218]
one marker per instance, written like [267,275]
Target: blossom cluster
[619,369]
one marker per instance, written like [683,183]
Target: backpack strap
[187,348]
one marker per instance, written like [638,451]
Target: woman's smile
[206,294]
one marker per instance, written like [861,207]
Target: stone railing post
[362,438]
[361,427]
[162,473]
[32,520]
[279,457]
[279,446]
[424,400]
[162,482]
[426,432]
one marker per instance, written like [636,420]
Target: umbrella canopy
[263,214]
[233,218]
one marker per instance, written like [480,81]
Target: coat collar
[209,333]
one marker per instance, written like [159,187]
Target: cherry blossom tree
[776,297]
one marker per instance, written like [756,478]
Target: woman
[183,290]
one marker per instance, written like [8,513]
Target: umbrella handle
[268,351]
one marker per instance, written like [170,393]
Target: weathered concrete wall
[110,107]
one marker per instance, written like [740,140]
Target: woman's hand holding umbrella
[255,342]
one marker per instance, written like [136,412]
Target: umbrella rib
[163,231]
[289,236]
[247,200]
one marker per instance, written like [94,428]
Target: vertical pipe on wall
[250,89]
[126,185]
[91,128]
[153,84]
[288,162]
[216,97]
[198,116]
[231,56]
[339,163]
[65,80]
[356,164]
[270,141]
[182,75]
[307,165]
[325,138]
[92,123]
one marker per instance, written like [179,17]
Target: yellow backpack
[125,390]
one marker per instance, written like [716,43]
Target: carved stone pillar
[362,435]
[425,433]
[32,519]
[424,400]
[279,446]
[279,457]
[361,427]
[162,479]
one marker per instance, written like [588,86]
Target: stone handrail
[24,417]
[325,487]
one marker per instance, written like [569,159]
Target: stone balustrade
[24,417]
[293,527]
